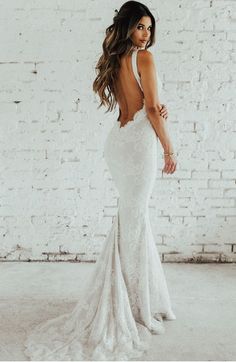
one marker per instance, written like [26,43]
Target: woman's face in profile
[142,32]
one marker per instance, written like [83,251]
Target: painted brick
[57,197]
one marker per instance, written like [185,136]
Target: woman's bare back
[129,95]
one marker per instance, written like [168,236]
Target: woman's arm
[151,99]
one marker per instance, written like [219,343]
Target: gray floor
[203,298]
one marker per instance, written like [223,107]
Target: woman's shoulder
[145,51]
[145,57]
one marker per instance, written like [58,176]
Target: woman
[126,297]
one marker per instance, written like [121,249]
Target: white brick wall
[57,196]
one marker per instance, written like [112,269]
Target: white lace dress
[126,297]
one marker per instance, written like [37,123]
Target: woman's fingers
[170,167]
[163,111]
[167,167]
[173,168]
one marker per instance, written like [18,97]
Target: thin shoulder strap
[134,66]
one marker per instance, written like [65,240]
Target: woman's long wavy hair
[116,43]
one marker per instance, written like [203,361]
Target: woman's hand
[164,112]
[170,164]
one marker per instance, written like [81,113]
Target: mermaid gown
[126,296]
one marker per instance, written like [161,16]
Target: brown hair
[116,43]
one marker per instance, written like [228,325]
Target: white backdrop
[57,197]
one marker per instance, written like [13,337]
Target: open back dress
[126,297]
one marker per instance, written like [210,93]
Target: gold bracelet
[168,154]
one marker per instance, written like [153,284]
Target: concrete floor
[203,298]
